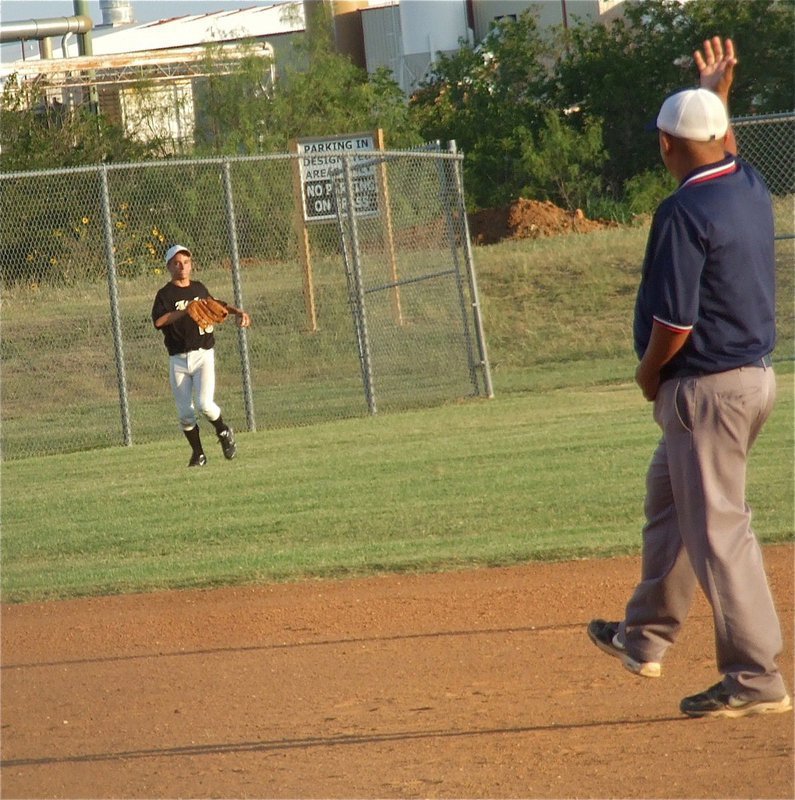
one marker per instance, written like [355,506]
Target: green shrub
[644,192]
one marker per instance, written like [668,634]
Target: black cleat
[227,440]
[197,460]
[718,702]
[604,635]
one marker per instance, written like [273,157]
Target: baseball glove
[207,312]
[217,309]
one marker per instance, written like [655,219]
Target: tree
[334,96]
[621,72]
[231,106]
[487,98]
[37,133]
[319,93]
[562,164]
[762,30]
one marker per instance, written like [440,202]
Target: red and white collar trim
[718,171]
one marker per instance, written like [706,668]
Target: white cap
[173,250]
[695,114]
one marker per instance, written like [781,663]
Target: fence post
[358,298]
[242,339]
[473,283]
[302,241]
[448,190]
[115,316]
[385,202]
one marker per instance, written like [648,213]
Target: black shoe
[227,440]
[197,460]
[718,702]
[604,636]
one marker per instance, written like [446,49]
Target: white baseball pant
[192,375]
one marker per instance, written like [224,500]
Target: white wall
[405,38]
[432,25]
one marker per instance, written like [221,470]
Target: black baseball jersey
[183,335]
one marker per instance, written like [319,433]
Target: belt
[765,362]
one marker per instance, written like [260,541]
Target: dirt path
[471,684]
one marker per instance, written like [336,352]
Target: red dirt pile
[528,219]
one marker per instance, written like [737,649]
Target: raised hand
[716,66]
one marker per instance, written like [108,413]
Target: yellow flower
[119,224]
[85,220]
[158,270]
[53,261]
[155,231]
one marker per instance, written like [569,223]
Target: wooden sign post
[318,158]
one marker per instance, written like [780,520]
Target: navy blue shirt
[710,269]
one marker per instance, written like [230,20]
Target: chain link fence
[396,282]
[768,142]
[373,309]
[82,258]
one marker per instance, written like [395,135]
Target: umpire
[704,329]
[191,354]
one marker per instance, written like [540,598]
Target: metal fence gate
[406,267]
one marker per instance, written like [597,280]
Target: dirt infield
[469,684]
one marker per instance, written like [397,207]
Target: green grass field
[549,474]
[551,468]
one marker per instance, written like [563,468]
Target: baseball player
[176,308]
[704,329]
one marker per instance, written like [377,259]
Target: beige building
[406,36]
[549,12]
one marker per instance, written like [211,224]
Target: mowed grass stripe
[552,474]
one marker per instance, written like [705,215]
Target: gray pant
[698,530]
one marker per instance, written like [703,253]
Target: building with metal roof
[110,59]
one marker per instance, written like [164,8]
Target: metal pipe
[85,44]
[64,45]
[85,47]
[115,12]
[448,193]
[42,28]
